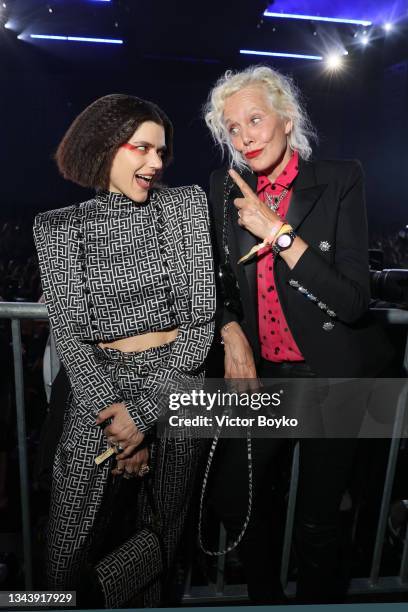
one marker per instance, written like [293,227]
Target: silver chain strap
[219,553]
[228,185]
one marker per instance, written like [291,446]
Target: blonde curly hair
[284,97]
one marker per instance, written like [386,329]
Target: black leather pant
[324,469]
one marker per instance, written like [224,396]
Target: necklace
[274,201]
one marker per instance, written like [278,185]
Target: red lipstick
[252,154]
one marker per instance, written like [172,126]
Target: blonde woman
[297,308]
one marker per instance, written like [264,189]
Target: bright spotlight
[387,26]
[334,61]
[365,41]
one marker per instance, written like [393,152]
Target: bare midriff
[141,342]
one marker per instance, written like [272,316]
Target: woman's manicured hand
[260,220]
[122,430]
[254,215]
[132,464]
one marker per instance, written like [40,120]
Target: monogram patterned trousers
[79,514]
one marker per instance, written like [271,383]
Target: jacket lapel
[304,196]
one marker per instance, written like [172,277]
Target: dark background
[173,53]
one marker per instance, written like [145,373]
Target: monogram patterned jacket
[113,268]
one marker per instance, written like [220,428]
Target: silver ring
[144,469]
[239,214]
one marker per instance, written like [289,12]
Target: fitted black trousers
[324,470]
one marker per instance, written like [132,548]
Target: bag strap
[227,188]
[205,481]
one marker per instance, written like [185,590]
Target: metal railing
[16,311]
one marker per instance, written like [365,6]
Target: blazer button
[328,326]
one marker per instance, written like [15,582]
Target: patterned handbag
[134,566]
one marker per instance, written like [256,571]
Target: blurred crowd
[19,275]
[393,248]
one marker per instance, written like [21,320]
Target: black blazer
[325,297]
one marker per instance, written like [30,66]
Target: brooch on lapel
[324,246]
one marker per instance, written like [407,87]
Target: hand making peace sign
[254,215]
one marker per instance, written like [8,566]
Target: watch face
[284,241]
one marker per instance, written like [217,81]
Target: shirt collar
[285,178]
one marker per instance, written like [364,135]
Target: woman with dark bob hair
[128,283]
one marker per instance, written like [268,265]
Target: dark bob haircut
[86,152]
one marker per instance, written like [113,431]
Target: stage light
[365,40]
[388,26]
[363,22]
[112,41]
[278,54]
[12,24]
[334,61]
